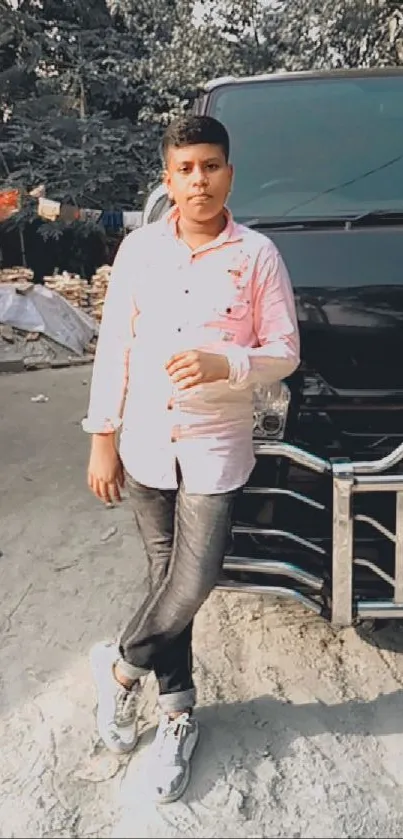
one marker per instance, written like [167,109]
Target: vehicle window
[315,147]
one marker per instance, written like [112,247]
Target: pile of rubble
[88,295]
[71,287]
[83,294]
[21,349]
[17,275]
[98,288]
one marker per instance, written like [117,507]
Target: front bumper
[330,590]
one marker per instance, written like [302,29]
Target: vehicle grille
[359,431]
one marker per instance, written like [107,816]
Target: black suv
[319,169]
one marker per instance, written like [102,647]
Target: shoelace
[170,736]
[125,706]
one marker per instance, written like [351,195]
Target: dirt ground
[302,728]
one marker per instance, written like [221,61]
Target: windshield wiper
[350,182]
[346,221]
[375,216]
[286,223]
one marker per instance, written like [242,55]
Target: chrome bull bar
[348,478]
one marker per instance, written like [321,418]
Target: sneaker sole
[174,796]
[117,748]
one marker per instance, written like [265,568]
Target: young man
[198,310]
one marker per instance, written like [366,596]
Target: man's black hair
[192,130]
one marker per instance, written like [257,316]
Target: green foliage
[86,86]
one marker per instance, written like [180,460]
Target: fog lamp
[270,411]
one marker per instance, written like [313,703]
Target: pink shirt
[231,296]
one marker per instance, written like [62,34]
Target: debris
[40,398]
[98,289]
[70,286]
[43,351]
[6,332]
[88,295]
[91,347]
[38,326]
[65,567]
[111,531]
[23,288]
[18,274]
[50,314]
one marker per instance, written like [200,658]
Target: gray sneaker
[171,754]
[117,707]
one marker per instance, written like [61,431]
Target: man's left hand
[194,367]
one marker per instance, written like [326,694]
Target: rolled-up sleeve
[110,371]
[275,324]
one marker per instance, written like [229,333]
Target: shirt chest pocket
[233,291]
[237,310]
[234,305]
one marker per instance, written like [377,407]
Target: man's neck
[196,233]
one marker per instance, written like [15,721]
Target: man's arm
[276,327]
[109,378]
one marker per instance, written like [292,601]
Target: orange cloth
[9,203]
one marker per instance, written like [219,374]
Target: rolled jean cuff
[130,671]
[179,701]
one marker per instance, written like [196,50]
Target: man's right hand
[105,469]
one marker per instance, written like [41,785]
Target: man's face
[198,179]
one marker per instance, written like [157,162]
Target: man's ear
[167,181]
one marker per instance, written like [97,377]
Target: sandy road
[302,728]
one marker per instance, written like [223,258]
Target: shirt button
[186,291]
[228,310]
[179,329]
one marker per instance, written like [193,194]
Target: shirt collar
[231,233]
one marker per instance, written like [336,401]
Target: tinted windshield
[314,147]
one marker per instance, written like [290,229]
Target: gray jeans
[185,539]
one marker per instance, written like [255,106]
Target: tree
[86,86]
[241,27]
[367,33]
[335,33]
[72,122]
[18,57]
[106,79]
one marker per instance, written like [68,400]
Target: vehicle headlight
[270,411]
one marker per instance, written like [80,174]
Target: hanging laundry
[48,210]
[112,220]
[9,203]
[90,215]
[38,191]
